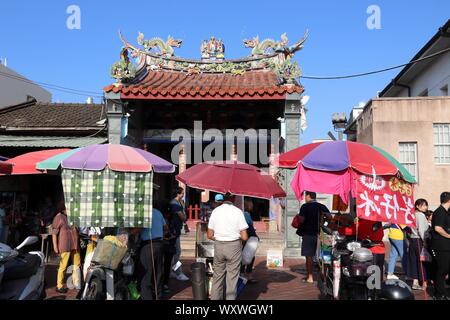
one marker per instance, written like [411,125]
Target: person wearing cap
[211,205]
[218,200]
[227,228]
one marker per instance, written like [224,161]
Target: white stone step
[267,241]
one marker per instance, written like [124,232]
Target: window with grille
[441,133]
[408,157]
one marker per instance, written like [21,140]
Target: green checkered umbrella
[108,198]
[109,185]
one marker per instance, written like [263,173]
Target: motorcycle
[22,275]
[346,265]
[102,283]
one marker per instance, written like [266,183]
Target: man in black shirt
[310,216]
[441,244]
[176,207]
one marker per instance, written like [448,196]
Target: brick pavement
[273,284]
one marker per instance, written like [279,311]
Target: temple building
[189,111]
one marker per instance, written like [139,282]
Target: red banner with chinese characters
[385,199]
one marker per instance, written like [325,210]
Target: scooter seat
[23,266]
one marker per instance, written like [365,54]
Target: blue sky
[35,40]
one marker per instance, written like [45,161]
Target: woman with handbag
[418,257]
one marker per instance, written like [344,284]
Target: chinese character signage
[386,199]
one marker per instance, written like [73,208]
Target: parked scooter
[344,271]
[22,275]
[102,283]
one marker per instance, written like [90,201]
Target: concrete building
[411,118]
[15,88]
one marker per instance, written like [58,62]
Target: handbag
[249,251]
[295,222]
[425,256]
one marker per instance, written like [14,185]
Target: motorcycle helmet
[362,255]
[395,290]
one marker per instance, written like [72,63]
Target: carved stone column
[182,163]
[292,113]
[276,224]
[114,114]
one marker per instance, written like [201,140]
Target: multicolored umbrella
[26,163]
[108,185]
[116,157]
[232,176]
[335,156]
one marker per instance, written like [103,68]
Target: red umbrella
[232,176]
[26,163]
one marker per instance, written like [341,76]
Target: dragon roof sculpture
[156,54]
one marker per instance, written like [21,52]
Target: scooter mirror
[29,240]
[376,226]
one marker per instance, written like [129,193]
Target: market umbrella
[99,156]
[108,185]
[336,156]
[383,188]
[26,163]
[231,176]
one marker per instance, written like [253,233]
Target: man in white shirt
[227,227]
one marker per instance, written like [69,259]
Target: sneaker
[391,277]
[416,286]
[173,275]
[61,290]
[182,277]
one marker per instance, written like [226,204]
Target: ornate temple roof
[172,84]
[268,73]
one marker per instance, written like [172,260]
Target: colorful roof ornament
[156,56]
[212,49]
